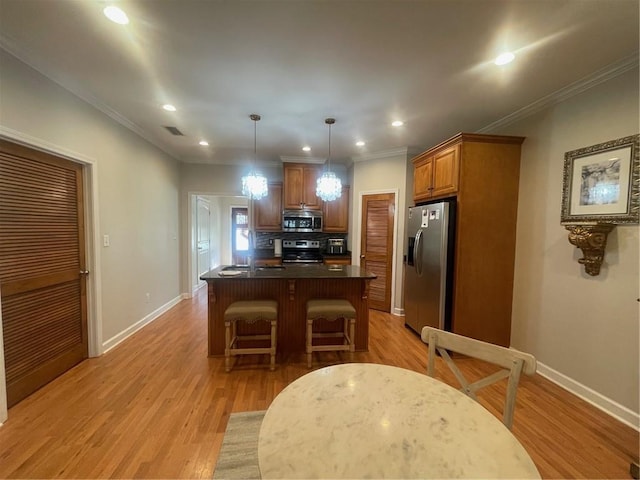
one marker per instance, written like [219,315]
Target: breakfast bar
[291,286]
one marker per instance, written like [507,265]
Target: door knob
[84,272]
[361,256]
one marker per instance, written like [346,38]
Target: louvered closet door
[376,247]
[41,260]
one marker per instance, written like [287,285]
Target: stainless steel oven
[301,251]
[302,221]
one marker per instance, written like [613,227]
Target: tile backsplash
[262,238]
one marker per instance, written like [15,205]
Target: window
[240,235]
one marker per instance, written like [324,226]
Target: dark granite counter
[291,286]
[291,271]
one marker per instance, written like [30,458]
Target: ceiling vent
[174,131]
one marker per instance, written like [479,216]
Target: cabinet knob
[361,256]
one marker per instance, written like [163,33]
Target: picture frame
[601,183]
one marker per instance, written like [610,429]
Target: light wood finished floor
[156,407]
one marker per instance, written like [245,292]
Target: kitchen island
[291,286]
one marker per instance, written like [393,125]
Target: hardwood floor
[156,407]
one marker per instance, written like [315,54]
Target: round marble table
[375,421]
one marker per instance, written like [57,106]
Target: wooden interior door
[42,267]
[376,246]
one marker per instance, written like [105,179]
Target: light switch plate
[105,240]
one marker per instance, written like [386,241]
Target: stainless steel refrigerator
[429,269]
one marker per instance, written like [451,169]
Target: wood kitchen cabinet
[336,260]
[300,186]
[436,173]
[482,173]
[268,210]
[336,213]
[262,262]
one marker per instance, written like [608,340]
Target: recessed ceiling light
[116,15]
[204,143]
[169,108]
[306,149]
[360,143]
[397,123]
[504,58]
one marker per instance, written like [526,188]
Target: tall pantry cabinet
[482,173]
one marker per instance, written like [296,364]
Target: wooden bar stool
[250,312]
[330,309]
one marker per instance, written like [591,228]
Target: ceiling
[366,63]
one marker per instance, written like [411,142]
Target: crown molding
[9,46]
[311,160]
[607,73]
[381,154]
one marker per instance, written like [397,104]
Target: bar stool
[330,309]
[250,311]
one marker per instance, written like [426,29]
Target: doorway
[43,267]
[377,247]
[203,241]
[240,235]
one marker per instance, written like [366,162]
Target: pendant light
[329,187]
[254,185]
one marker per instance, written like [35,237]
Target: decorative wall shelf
[592,240]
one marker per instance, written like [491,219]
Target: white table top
[375,421]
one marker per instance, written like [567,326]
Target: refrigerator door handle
[417,255]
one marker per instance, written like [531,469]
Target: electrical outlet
[148,297]
[105,241]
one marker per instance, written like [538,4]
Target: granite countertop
[327,254]
[239,272]
[268,254]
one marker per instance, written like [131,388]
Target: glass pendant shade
[329,187]
[255,186]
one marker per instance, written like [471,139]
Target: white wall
[213,181]
[374,176]
[138,191]
[582,327]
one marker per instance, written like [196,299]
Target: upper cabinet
[336,213]
[268,210]
[300,186]
[482,172]
[436,173]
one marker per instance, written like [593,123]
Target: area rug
[238,456]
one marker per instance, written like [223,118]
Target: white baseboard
[197,287]
[398,311]
[608,406]
[120,337]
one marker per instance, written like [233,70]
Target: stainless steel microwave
[302,221]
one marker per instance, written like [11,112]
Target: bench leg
[274,340]
[227,346]
[309,341]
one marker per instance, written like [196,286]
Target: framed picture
[602,183]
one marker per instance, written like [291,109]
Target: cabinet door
[337,260]
[293,185]
[268,210]
[300,187]
[422,178]
[336,213]
[446,164]
[310,181]
[261,262]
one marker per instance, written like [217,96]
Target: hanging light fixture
[329,187]
[254,185]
